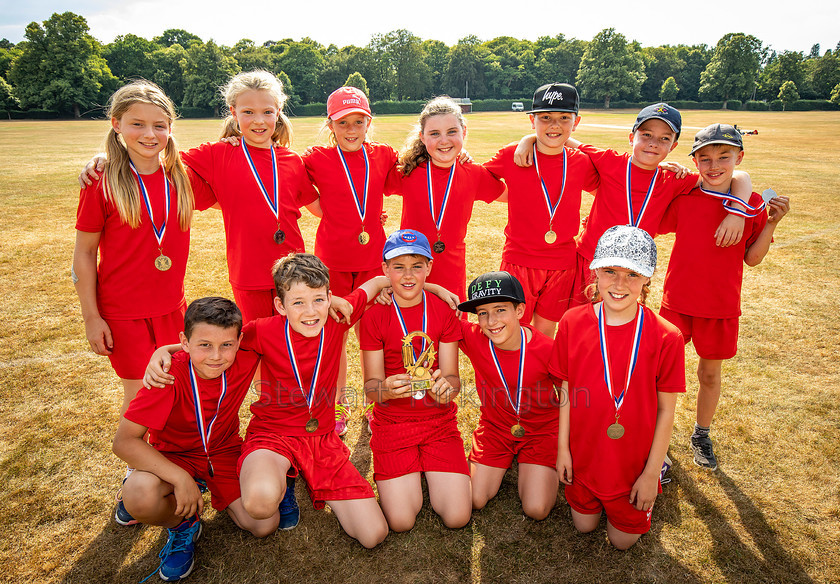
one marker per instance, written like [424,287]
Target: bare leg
[586,522]
[544,325]
[362,519]
[449,494]
[485,481]
[257,527]
[130,389]
[262,481]
[401,499]
[709,376]
[621,539]
[538,486]
[150,500]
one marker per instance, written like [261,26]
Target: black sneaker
[704,454]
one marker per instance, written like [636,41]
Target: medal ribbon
[636,220]
[438,219]
[729,199]
[605,356]
[203,432]
[308,397]
[519,377]
[405,330]
[273,202]
[552,209]
[361,206]
[159,233]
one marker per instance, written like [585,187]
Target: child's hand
[383,218]
[232,140]
[524,153]
[449,297]
[98,334]
[442,391]
[92,170]
[309,150]
[396,386]
[675,167]
[384,297]
[157,371]
[777,208]
[730,231]
[340,309]
[643,493]
[564,466]
[188,499]
[464,157]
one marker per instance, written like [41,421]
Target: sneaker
[289,510]
[666,466]
[342,413]
[369,416]
[121,514]
[177,558]
[704,454]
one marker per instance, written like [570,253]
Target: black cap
[660,111]
[555,97]
[493,287]
[717,134]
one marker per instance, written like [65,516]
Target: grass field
[771,513]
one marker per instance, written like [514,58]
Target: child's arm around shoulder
[731,229]
[777,209]
[447,382]
[157,371]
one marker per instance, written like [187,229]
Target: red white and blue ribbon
[205,432]
[159,233]
[271,200]
[520,376]
[729,200]
[438,218]
[552,209]
[401,320]
[635,220]
[605,355]
[296,370]
[361,206]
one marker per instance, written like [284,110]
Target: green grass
[770,514]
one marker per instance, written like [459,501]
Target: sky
[783,26]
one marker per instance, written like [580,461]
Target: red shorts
[255,303]
[620,512]
[714,338]
[431,444]
[224,484]
[583,278]
[492,446]
[547,292]
[136,340]
[343,283]
[323,461]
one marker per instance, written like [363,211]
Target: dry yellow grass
[770,514]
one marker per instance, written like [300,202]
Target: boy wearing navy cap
[544,206]
[702,290]
[519,406]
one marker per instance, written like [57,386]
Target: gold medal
[163,262]
[439,246]
[550,236]
[615,431]
[364,237]
[517,430]
[279,237]
[311,425]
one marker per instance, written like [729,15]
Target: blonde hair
[331,137]
[257,80]
[414,152]
[120,186]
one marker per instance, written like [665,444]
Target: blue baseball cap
[406,242]
[660,111]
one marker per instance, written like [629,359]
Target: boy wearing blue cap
[410,356]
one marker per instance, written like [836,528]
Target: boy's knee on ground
[538,510]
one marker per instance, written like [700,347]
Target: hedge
[499,105]
[195,112]
[398,107]
[757,106]
[30,115]
[310,109]
[733,104]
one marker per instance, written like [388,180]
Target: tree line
[61,67]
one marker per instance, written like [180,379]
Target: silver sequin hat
[624,246]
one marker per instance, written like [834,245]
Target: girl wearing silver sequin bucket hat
[621,367]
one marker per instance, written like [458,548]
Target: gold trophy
[420,369]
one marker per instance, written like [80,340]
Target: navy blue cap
[406,242]
[660,111]
[717,134]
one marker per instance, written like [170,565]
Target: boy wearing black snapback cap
[519,406]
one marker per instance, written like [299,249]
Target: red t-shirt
[610,205]
[337,239]
[605,466]
[129,285]
[703,279]
[539,405]
[470,183]
[169,412]
[380,331]
[282,407]
[249,222]
[528,215]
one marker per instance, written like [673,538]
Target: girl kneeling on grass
[622,367]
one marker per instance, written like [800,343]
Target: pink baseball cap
[345,101]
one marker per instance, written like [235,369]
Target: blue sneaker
[121,514]
[177,557]
[289,510]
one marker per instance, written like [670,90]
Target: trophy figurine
[420,368]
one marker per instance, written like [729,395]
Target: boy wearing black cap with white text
[544,206]
[702,290]
[519,405]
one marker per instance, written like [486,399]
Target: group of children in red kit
[594,408]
